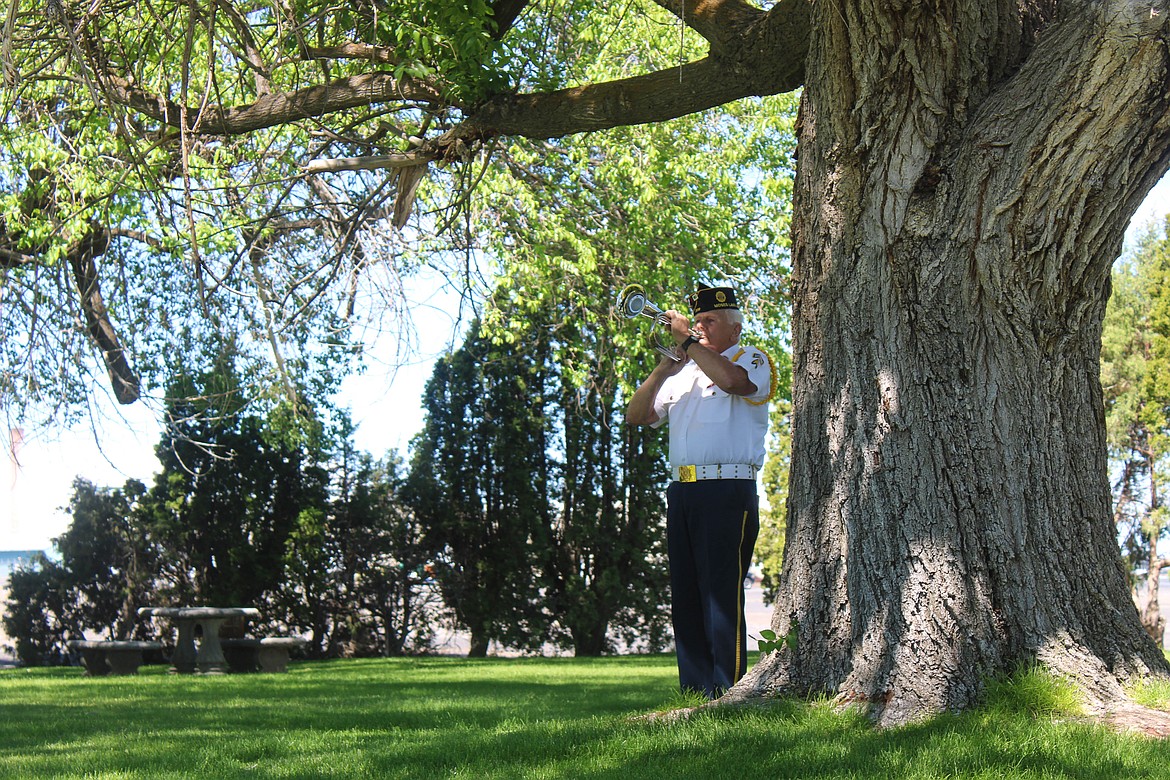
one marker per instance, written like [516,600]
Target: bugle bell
[632,303]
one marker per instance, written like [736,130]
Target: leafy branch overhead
[433,58]
[197,139]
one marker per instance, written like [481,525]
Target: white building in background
[18,543]
[24,527]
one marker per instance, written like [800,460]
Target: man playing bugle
[716,401]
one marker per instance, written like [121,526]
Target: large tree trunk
[960,198]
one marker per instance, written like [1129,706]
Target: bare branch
[251,56]
[368,163]
[353,51]
[81,257]
[136,235]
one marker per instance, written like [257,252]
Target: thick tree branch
[85,275]
[137,235]
[654,97]
[370,162]
[767,58]
[753,53]
[10,258]
[275,109]
[658,96]
[356,51]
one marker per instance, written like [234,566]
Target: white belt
[714,471]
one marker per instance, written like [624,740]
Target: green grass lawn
[515,718]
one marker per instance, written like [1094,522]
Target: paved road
[758,616]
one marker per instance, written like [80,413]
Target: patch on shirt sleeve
[758,360]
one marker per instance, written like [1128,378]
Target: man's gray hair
[734,316]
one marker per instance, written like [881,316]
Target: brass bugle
[633,303]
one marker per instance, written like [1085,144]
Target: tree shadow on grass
[507,719]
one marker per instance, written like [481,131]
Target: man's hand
[680,326]
[668,367]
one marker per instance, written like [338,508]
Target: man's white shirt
[708,425]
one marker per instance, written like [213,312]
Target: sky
[385,402]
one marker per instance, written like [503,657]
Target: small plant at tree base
[770,641]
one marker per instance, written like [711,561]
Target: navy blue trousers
[711,529]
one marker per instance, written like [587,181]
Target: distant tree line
[244,512]
[529,516]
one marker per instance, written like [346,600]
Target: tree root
[1122,715]
[667,717]
[1128,717]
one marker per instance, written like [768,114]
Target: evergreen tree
[392,583]
[355,573]
[606,565]
[242,513]
[41,613]
[105,572]
[232,490]
[108,557]
[478,483]
[1135,378]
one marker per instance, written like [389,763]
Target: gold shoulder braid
[771,376]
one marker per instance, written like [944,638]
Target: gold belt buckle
[687,474]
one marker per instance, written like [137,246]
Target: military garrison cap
[711,298]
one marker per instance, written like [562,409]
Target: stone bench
[269,654]
[109,656]
[241,653]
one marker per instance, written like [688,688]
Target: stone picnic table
[202,623]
